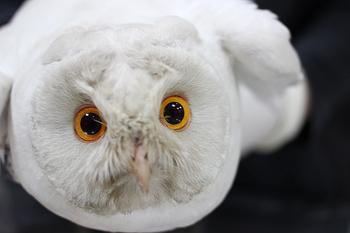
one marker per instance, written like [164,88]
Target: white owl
[128,115]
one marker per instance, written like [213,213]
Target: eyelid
[84,106]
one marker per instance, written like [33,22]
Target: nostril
[137,141]
[138,137]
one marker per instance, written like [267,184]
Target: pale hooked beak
[141,167]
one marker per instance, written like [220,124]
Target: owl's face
[128,118]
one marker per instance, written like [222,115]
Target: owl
[132,116]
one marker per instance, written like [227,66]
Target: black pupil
[174,113]
[90,123]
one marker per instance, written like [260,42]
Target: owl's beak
[141,167]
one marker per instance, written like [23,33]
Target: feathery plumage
[228,61]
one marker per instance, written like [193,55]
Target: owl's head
[128,117]
[134,127]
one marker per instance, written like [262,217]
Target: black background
[303,188]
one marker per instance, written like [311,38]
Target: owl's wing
[266,65]
[258,46]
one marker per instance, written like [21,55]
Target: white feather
[126,57]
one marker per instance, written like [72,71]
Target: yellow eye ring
[89,125]
[175,113]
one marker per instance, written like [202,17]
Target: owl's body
[232,63]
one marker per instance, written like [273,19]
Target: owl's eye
[175,113]
[89,125]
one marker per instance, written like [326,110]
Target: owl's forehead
[125,67]
[126,55]
[128,84]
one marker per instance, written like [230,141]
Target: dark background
[303,188]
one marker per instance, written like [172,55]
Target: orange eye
[89,125]
[175,113]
